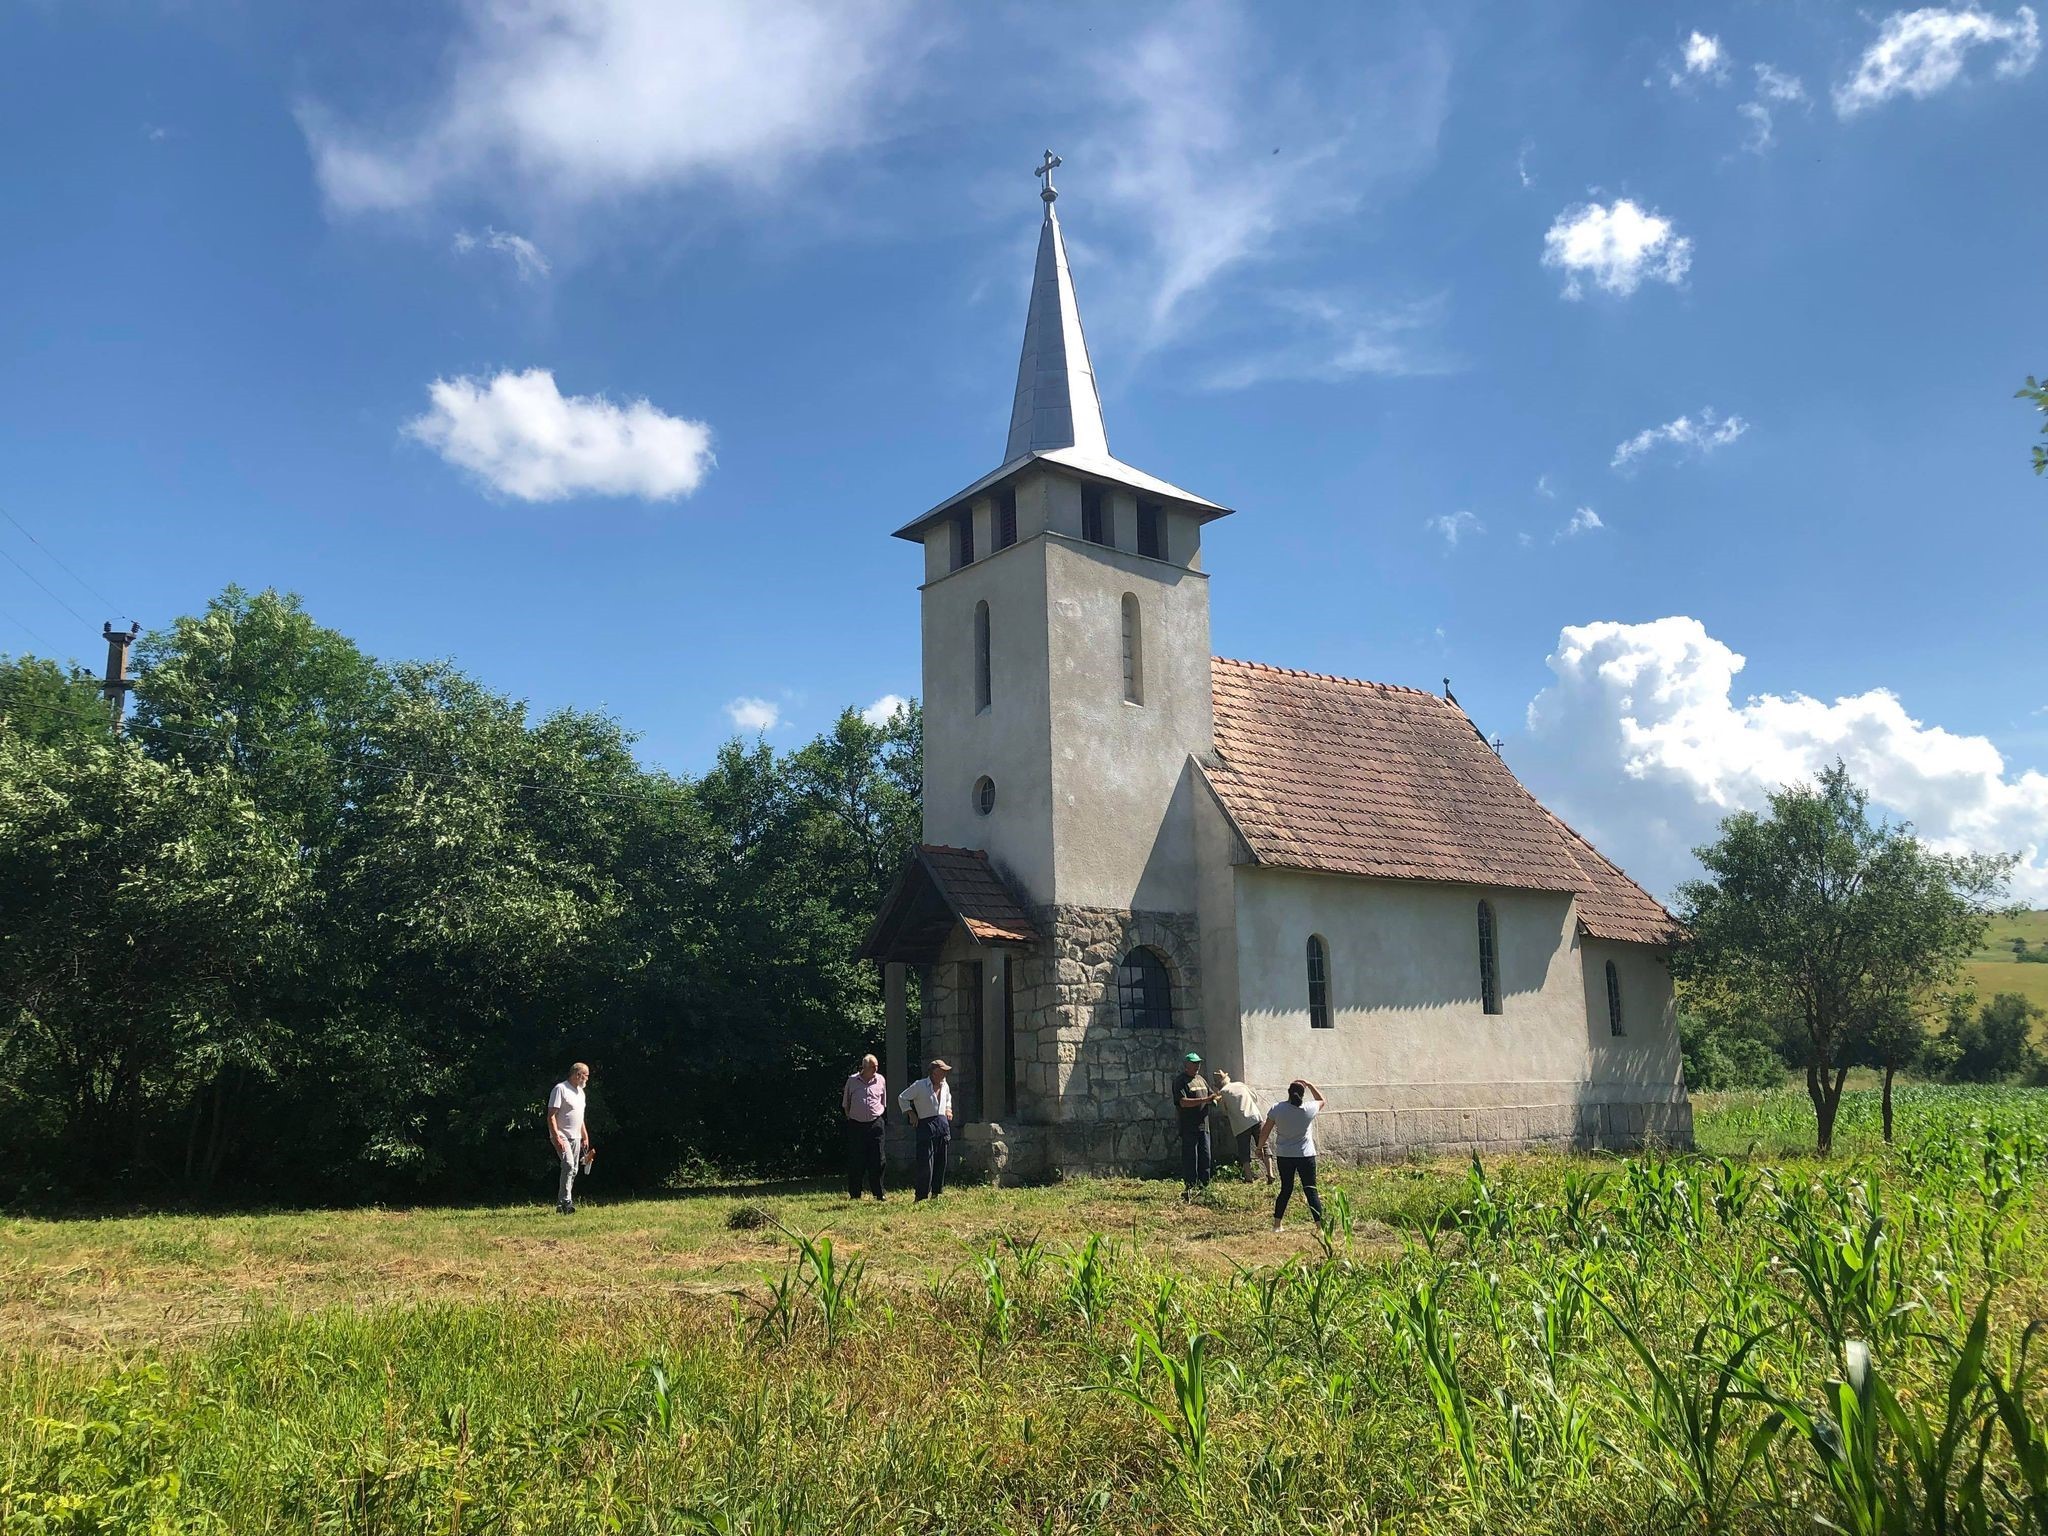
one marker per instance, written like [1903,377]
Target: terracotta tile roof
[1356,778]
[977,893]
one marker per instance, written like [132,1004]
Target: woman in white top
[1290,1129]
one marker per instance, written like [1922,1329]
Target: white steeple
[1056,404]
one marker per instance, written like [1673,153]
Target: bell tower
[1066,641]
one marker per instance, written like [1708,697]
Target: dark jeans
[929,1161]
[1247,1144]
[863,1157]
[1195,1166]
[1305,1169]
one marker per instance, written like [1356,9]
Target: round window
[984,794]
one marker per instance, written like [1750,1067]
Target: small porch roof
[938,888]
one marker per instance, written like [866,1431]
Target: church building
[1134,849]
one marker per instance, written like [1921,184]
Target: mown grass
[1994,969]
[1468,1350]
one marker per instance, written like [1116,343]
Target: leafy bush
[1719,1055]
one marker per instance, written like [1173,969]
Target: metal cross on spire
[1051,193]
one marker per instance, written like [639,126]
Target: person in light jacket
[1243,1114]
[928,1105]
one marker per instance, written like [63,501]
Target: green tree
[1893,1038]
[45,702]
[2038,394]
[1816,911]
[145,903]
[1996,1043]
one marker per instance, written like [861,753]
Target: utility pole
[117,686]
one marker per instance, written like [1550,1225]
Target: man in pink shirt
[865,1102]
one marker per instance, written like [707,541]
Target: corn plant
[834,1283]
[1184,1412]
[1027,1255]
[1692,1411]
[2028,1437]
[1087,1289]
[999,1308]
[1419,1322]
[1932,1481]
[1851,1272]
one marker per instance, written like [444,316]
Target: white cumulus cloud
[524,438]
[1918,53]
[885,709]
[527,259]
[1697,437]
[1703,56]
[1454,526]
[1643,744]
[756,715]
[1616,246]
[578,100]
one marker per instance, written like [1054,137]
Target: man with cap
[1191,1101]
[928,1104]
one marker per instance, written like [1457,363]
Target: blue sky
[1569,351]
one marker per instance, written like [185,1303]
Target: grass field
[1538,1346]
[1993,969]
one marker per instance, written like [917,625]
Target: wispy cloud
[885,709]
[1522,171]
[1699,437]
[1918,53]
[1616,246]
[527,260]
[1220,156]
[522,437]
[1585,520]
[755,715]
[577,100]
[1332,340]
[1545,489]
[1454,526]
[1773,90]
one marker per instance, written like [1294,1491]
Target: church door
[966,1076]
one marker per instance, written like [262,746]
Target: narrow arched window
[984,692]
[1006,519]
[1489,961]
[1614,1001]
[1134,651]
[1318,983]
[1144,991]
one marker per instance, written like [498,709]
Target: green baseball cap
[1193,1057]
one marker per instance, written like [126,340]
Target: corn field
[1730,1341]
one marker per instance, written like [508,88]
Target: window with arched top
[1489,960]
[1134,650]
[1318,983]
[984,691]
[1144,990]
[1614,1000]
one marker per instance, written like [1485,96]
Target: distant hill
[1995,968]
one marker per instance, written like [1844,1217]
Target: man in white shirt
[928,1104]
[1243,1114]
[568,1136]
[1290,1129]
[865,1103]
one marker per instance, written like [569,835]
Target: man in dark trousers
[865,1103]
[928,1105]
[1191,1101]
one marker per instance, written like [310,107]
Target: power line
[31,575]
[39,544]
[18,624]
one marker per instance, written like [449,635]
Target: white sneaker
[1276,1226]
